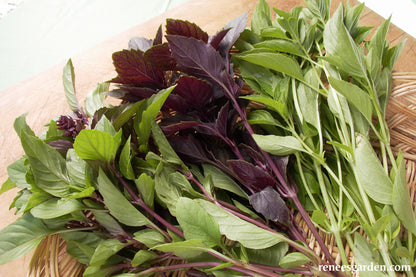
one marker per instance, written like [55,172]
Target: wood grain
[42,96]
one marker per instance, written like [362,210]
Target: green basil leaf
[365,254]
[341,48]
[105,250]
[223,181]
[275,61]
[20,125]
[125,161]
[164,146]
[48,166]
[118,205]
[236,229]
[167,193]
[261,17]
[81,245]
[149,237]
[20,237]
[270,103]
[185,249]
[95,99]
[268,256]
[402,205]
[17,173]
[7,185]
[155,103]
[105,125]
[355,95]
[146,186]
[76,169]
[278,145]
[141,257]
[97,145]
[281,45]
[293,260]
[196,223]
[68,78]
[55,208]
[370,173]
[127,114]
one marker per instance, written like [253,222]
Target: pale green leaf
[7,185]
[105,250]
[20,237]
[105,125]
[68,79]
[56,207]
[165,148]
[370,173]
[76,169]
[261,17]
[281,45]
[196,223]
[269,102]
[96,145]
[47,164]
[17,173]
[236,229]
[141,257]
[125,161]
[95,99]
[149,237]
[402,204]
[294,259]
[146,186]
[184,249]
[278,145]
[118,205]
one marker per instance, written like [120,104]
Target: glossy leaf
[185,249]
[118,205]
[402,205]
[165,148]
[186,29]
[141,257]
[97,145]
[55,208]
[95,99]
[269,203]
[275,61]
[105,250]
[125,161]
[236,229]
[196,223]
[20,237]
[370,173]
[146,186]
[68,78]
[278,145]
[281,45]
[47,165]
[196,92]
[149,237]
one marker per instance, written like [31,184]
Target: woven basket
[51,260]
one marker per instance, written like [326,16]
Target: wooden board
[42,96]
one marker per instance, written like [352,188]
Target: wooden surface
[42,96]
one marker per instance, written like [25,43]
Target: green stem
[334,224]
[305,183]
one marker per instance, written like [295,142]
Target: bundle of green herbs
[190,173]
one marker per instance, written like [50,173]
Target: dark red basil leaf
[161,57]
[281,163]
[221,124]
[190,149]
[139,43]
[159,36]
[216,39]
[186,29]
[253,175]
[253,154]
[196,92]
[269,203]
[182,125]
[61,145]
[135,94]
[132,68]
[176,103]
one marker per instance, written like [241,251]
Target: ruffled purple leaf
[236,27]
[252,175]
[185,28]
[190,149]
[269,203]
[159,36]
[133,69]
[160,56]
[196,92]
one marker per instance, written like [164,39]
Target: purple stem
[143,205]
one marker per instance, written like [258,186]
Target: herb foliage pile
[190,173]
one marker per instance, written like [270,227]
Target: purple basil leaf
[159,36]
[252,175]
[139,43]
[179,126]
[281,163]
[196,92]
[135,94]
[61,145]
[236,26]
[222,120]
[269,203]
[176,103]
[186,29]
[132,68]
[253,154]
[160,56]
[190,149]
[216,39]
[201,60]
